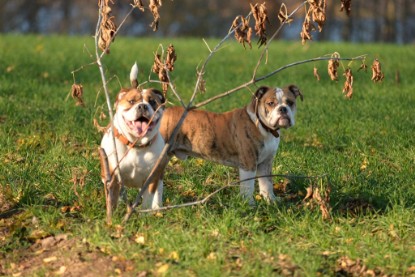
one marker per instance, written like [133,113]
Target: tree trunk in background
[31,8]
[406,16]
[66,8]
[389,20]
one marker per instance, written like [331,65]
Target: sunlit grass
[365,146]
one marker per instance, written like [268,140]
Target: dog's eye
[271,104]
[132,101]
[290,103]
[152,102]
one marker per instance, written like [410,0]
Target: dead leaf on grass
[286,266]
[319,196]
[346,266]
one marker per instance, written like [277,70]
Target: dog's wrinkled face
[276,107]
[141,110]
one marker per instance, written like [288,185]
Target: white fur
[134,73]
[266,157]
[136,163]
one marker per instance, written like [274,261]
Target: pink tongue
[141,126]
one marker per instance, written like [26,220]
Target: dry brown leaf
[107,27]
[202,84]
[333,65]
[100,129]
[77,91]
[316,75]
[242,30]
[159,67]
[286,266]
[318,11]
[377,74]
[139,5]
[348,84]
[261,18]
[363,66]
[307,28]
[283,14]
[171,57]
[154,8]
[346,6]
[319,197]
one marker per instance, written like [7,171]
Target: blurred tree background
[370,20]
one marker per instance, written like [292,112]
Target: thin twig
[107,96]
[251,82]
[233,184]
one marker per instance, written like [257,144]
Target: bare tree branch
[233,184]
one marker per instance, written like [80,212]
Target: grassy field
[52,206]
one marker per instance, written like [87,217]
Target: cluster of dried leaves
[107,28]
[316,13]
[161,68]
[332,69]
[260,15]
[346,266]
[316,195]
[154,6]
[243,31]
[314,19]
[319,196]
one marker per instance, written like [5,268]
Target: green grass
[45,138]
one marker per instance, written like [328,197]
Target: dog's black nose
[282,110]
[142,107]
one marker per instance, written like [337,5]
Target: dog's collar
[130,144]
[275,132]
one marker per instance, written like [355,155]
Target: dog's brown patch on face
[129,97]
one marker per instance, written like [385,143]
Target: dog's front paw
[271,198]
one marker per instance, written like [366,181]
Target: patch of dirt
[64,256]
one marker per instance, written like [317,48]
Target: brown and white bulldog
[246,138]
[138,143]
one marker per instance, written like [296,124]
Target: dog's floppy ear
[133,76]
[255,98]
[160,95]
[260,92]
[296,91]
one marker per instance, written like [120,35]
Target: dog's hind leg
[247,185]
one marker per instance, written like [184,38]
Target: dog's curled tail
[133,75]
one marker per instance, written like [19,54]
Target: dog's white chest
[136,166]
[269,149]
[135,163]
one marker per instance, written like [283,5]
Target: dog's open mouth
[141,125]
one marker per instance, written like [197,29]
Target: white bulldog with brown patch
[138,143]
[246,138]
